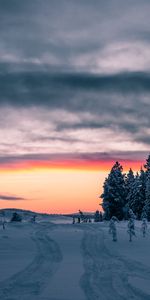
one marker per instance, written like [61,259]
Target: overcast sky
[74,79]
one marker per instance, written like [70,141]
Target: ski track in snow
[106,275]
[30,282]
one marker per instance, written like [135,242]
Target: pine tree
[16,217]
[129,181]
[146,208]
[130,230]
[105,196]
[131,227]
[114,193]
[136,197]
[147,165]
[97,216]
[2,215]
[143,182]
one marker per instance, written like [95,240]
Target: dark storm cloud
[112,101]
[58,90]
[82,57]
[11,198]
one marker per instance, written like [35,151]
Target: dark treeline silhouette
[122,192]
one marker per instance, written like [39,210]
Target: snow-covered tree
[97,216]
[129,181]
[16,217]
[136,197]
[105,196]
[112,228]
[131,230]
[114,193]
[33,218]
[100,217]
[143,183]
[131,214]
[2,215]
[146,208]
[131,227]
[147,165]
[144,226]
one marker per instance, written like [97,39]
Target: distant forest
[122,192]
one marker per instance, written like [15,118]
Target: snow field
[67,262]
[65,284]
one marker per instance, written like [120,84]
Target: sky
[74,98]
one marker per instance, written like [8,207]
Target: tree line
[122,192]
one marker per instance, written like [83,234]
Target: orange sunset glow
[57,187]
[95,165]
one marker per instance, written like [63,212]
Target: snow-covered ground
[56,260]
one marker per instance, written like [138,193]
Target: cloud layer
[11,198]
[74,78]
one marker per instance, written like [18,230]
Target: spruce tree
[97,216]
[146,208]
[114,193]
[16,217]
[136,198]
[143,185]
[105,197]
[129,182]
[147,165]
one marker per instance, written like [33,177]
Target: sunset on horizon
[74,149]
[74,99]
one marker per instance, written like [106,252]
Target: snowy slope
[58,261]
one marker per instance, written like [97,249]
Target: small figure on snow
[73,220]
[113,229]
[144,227]
[82,217]
[33,219]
